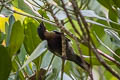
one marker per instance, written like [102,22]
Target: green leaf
[56,68]
[50,27]
[52,75]
[2,36]
[16,38]
[92,14]
[98,29]
[9,29]
[105,3]
[118,53]
[21,5]
[31,36]
[117,3]
[15,68]
[5,63]
[101,25]
[6,12]
[43,13]
[114,36]
[41,48]
[46,59]
[67,67]
[114,18]
[108,47]
[22,54]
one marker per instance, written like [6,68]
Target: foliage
[23,55]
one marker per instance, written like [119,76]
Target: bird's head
[41,30]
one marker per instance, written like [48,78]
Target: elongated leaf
[6,12]
[107,47]
[31,37]
[5,63]
[21,5]
[105,3]
[9,29]
[41,48]
[53,75]
[114,18]
[114,35]
[15,67]
[99,24]
[86,13]
[90,13]
[16,38]
[116,2]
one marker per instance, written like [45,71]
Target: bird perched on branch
[54,41]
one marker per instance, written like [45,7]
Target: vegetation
[92,26]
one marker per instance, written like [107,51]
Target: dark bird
[54,41]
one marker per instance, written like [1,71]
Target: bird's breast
[54,45]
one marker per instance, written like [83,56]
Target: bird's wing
[59,33]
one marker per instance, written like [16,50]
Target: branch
[28,15]
[67,32]
[92,44]
[75,29]
[108,57]
[86,36]
[63,52]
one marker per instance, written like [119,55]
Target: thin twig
[76,13]
[28,15]
[73,36]
[50,62]
[37,18]
[33,9]
[95,50]
[63,43]
[4,2]
[62,69]
[33,4]
[86,36]
[106,66]
[63,51]
[86,4]
[40,5]
[106,46]
[108,57]
[19,66]
[75,29]
[64,30]
[59,25]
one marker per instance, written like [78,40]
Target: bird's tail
[75,58]
[79,62]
